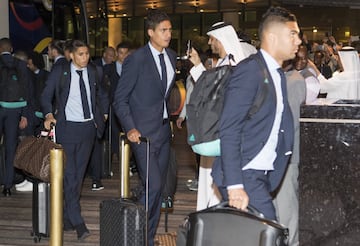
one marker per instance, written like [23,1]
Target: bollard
[56,196]
[124,166]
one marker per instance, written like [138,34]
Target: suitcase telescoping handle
[147,141]
[124,177]
[250,208]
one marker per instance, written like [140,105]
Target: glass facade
[316,22]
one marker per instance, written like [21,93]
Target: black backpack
[204,109]
[12,83]
[205,106]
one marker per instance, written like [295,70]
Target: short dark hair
[154,18]
[275,14]
[67,44]
[5,44]
[75,44]
[37,59]
[57,45]
[124,45]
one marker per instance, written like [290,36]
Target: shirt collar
[269,60]
[155,52]
[57,58]
[74,68]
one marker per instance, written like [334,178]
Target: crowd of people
[259,154]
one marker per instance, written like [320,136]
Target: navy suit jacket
[243,138]
[139,96]
[111,79]
[54,87]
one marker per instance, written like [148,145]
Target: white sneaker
[21,184]
[26,187]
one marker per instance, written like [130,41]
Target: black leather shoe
[82,231]
[6,192]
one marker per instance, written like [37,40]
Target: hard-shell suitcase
[222,225]
[124,221]
[105,161]
[40,210]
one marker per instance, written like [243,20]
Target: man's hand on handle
[238,198]
[133,135]
[49,119]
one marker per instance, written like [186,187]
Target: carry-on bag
[33,156]
[124,221]
[223,225]
[41,196]
[105,162]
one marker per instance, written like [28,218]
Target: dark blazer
[242,138]
[111,79]
[98,62]
[59,62]
[58,85]
[39,85]
[139,96]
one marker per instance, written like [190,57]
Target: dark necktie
[84,99]
[163,70]
[283,83]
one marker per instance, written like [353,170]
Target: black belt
[165,121]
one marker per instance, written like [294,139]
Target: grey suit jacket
[296,89]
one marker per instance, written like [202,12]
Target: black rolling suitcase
[106,167]
[106,159]
[222,225]
[124,221]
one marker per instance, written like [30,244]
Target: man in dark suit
[80,111]
[108,57]
[141,104]
[112,73]
[15,107]
[39,75]
[95,165]
[255,150]
[56,52]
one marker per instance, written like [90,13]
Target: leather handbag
[33,156]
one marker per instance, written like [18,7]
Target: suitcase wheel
[37,239]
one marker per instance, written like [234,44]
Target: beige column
[115,32]
[4,18]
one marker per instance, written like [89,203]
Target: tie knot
[161,55]
[79,72]
[280,70]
